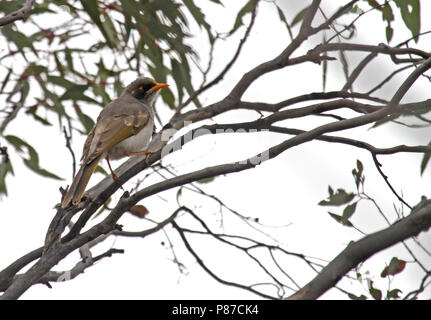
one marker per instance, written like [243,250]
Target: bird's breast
[135,143]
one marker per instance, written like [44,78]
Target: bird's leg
[147,154]
[114,176]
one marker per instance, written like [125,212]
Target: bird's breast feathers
[134,143]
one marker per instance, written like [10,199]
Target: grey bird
[123,129]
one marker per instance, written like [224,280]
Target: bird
[123,128]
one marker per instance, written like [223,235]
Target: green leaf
[16,37]
[387,13]
[344,63]
[340,219]
[32,162]
[393,294]
[199,17]
[376,293]
[92,9]
[349,211]
[410,12]
[373,3]
[354,297]
[181,75]
[242,12]
[5,169]
[357,173]
[169,98]
[69,60]
[324,68]
[11,6]
[101,170]
[425,160]
[338,198]
[100,91]
[389,33]
[206,180]
[395,266]
[76,92]
[32,112]
[60,81]
[86,121]
[110,31]
[6,79]
[299,16]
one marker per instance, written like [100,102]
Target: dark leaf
[32,112]
[357,173]
[375,293]
[354,297]
[373,3]
[349,211]
[169,98]
[410,12]
[86,121]
[139,211]
[344,63]
[425,160]
[32,162]
[60,81]
[395,266]
[75,93]
[299,16]
[5,169]
[242,12]
[393,294]
[199,17]
[92,9]
[340,219]
[389,33]
[284,20]
[101,170]
[16,37]
[387,13]
[338,198]
[324,68]
[6,79]
[206,180]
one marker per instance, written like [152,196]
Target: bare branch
[20,14]
[419,220]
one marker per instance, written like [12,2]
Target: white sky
[283,191]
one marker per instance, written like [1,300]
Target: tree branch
[419,220]
[20,14]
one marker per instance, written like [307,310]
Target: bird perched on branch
[123,129]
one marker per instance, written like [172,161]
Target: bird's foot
[147,154]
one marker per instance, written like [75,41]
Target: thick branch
[419,220]
[17,15]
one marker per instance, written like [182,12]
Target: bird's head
[145,90]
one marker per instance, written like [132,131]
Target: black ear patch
[145,87]
[142,90]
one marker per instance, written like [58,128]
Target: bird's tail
[76,190]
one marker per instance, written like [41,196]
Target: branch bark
[17,15]
[419,220]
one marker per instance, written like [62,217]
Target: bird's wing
[110,130]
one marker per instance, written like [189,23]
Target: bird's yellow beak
[158,86]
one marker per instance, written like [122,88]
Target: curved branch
[17,15]
[419,220]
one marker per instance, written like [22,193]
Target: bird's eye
[141,88]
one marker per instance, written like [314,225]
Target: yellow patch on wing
[114,130]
